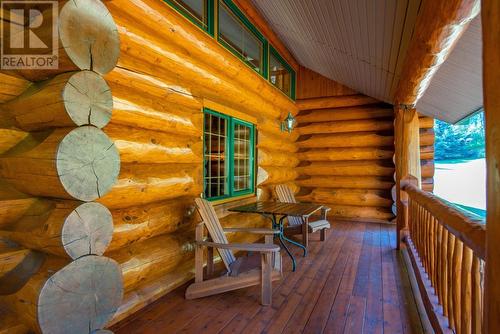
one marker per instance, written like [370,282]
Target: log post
[491,78]
[407,156]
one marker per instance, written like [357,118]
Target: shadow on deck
[353,282]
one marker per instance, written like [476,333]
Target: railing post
[407,155]
[490,15]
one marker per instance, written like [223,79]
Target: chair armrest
[263,248]
[251,230]
[324,212]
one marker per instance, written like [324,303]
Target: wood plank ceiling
[362,44]
[359,43]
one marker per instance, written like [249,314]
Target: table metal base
[278,224]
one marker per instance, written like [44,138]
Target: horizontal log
[470,230]
[335,102]
[429,187]
[69,290]
[360,212]
[271,142]
[347,182]
[9,324]
[11,256]
[69,99]
[272,127]
[88,39]
[140,184]
[64,228]
[152,258]
[355,139]
[276,158]
[15,204]
[338,154]
[426,122]
[427,168]
[348,168]
[351,197]
[149,86]
[427,137]
[79,163]
[152,290]
[138,223]
[427,152]
[10,137]
[343,114]
[198,63]
[346,126]
[275,175]
[146,146]
[11,86]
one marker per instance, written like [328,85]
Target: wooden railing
[446,248]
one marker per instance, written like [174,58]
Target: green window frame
[243,20]
[231,155]
[207,24]
[273,52]
[212,16]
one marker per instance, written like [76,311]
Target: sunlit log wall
[346,146]
[146,98]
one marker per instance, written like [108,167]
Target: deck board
[354,282]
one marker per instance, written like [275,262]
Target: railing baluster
[457,275]
[435,256]
[466,291]
[449,260]
[445,277]
[476,296]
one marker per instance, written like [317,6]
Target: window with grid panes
[229,147]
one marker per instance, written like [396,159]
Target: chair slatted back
[215,230]
[285,195]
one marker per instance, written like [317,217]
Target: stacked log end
[346,146]
[55,162]
[427,140]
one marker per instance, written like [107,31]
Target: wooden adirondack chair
[239,274]
[285,195]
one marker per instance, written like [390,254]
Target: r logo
[29,35]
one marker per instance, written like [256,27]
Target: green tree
[464,140]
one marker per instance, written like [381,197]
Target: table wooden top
[278,208]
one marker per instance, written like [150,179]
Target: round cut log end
[81,297]
[88,163]
[89,35]
[88,99]
[87,230]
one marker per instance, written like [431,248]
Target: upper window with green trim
[200,12]
[237,34]
[228,156]
[281,74]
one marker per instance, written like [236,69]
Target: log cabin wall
[346,147]
[147,94]
[427,140]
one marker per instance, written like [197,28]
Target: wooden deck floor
[354,282]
